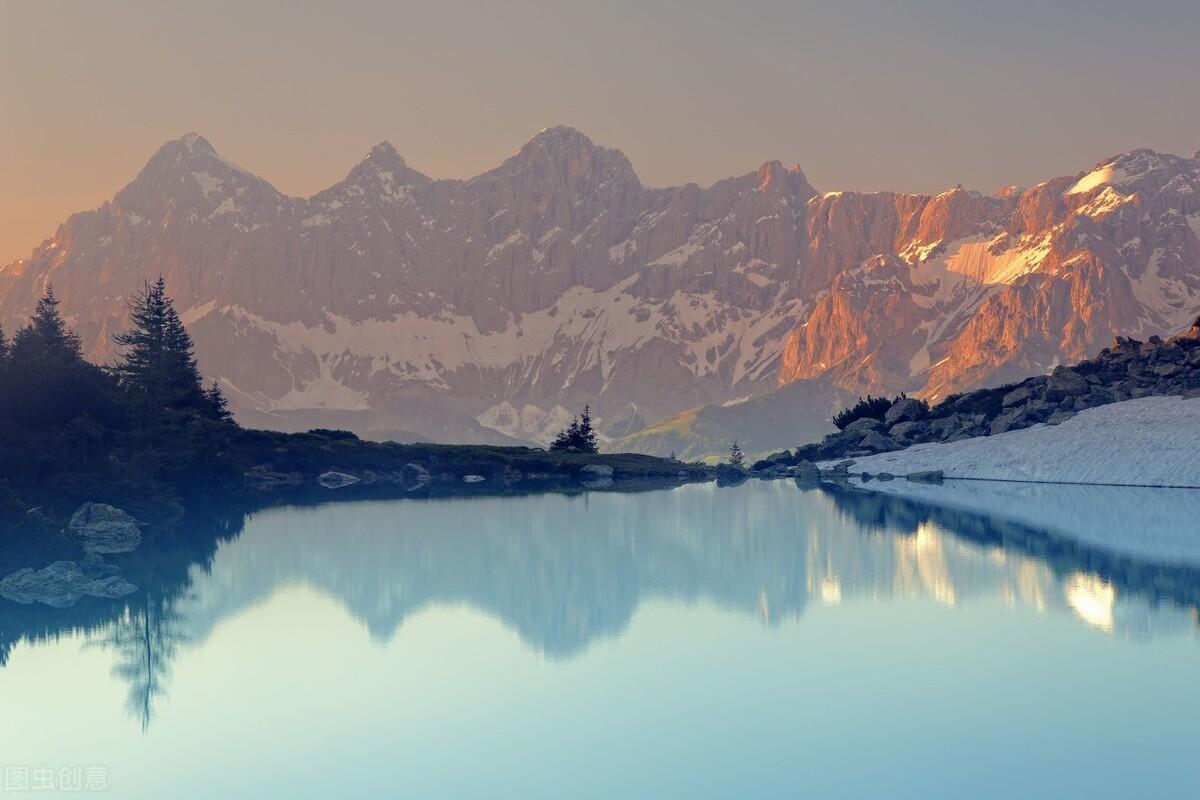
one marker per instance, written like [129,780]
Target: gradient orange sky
[864,95]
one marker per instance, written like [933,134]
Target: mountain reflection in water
[564,572]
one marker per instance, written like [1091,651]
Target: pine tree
[45,340]
[218,406]
[579,435]
[736,457]
[158,366]
[5,347]
[586,435]
[48,324]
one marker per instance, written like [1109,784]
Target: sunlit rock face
[395,304]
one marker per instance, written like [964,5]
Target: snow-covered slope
[1151,441]
[450,308]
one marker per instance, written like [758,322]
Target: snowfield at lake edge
[1150,441]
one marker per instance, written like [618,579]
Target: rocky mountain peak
[774,177]
[384,155]
[386,170]
[565,152]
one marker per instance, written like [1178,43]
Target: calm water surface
[756,641]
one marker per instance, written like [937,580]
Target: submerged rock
[61,585]
[101,528]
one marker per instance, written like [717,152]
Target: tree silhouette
[158,367]
[579,436]
[736,457]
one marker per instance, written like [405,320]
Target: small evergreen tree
[579,435]
[218,406]
[587,435]
[48,324]
[158,366]
[736,457]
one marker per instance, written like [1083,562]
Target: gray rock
[61,585]
[906,409]
[885,476]
[783,457]
[878,443]
[730,474]
[1017,396]
[863,425]
[1059,416]
[101,528]
[1008,421]
[926,476]
[1065,382]
[1167,370]
[945,427]
[908,431]
[337,480]
[807,472]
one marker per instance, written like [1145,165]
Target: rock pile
[1126,370]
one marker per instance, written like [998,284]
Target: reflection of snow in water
[1156,525]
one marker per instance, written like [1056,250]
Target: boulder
[337,480]
[909,432]
[61,585]
[1167,370]
[943,428]
[1017,396]
[783,457]
[1010,420]
[906,409]
[878,443]
[730,474]
[863,425]
[101,528]
[1065,382]
[926,476]
[806,474]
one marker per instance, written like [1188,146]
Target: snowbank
[1151,441]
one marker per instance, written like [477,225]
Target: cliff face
[484,309]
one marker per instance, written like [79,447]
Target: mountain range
[491,309]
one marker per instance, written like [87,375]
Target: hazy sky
[864,95]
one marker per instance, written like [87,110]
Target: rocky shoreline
[1128,369]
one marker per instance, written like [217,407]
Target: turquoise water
[755,641]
